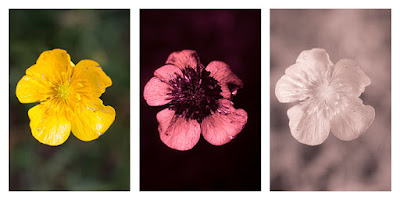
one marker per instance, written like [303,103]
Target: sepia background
[232,36]
[360,164]
[102,164]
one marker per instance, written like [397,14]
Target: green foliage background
[102,164]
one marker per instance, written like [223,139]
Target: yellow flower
[68,96]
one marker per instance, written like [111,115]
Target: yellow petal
[92,120]
[48,127]
[88,78]
[29,89]
[52,66]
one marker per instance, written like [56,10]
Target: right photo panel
[330,100]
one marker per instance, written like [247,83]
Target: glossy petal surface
[228,81]
[177,132]
[308,127]
[348,78]
[222,126]
[353,119]
[312,68]
[292,88]
[92,120]
[89,79]
[167,73]
[29,89]
[47,126]
[52,66]
[156,92]
[183,58]
[314,59]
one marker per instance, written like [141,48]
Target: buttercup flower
[198,100]
[68,96]
[329,98]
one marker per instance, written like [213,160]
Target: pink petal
[222,126]
[184,58]
[308,127]
[156,92]
[229,82]
[167,73]
[177,132]
[353,119]
[348,78]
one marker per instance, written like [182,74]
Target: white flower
[329,98]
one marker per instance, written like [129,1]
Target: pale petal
[29,89]
[223,125]
[312,66]
[156,92]
[48,127]
[89,79]
[167,73]
[92,120]
[183,59]
[177,132]
[292,88]
[315,58]
[348,78]
[353,119]
[228,81]
[307,126]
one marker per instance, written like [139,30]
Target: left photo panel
[69,99]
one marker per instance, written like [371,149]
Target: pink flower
[198,100]
[329,98]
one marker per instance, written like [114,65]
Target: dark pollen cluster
[195,94]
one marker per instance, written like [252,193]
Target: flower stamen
[195,94]
[63,91]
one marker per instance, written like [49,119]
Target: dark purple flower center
[195,94]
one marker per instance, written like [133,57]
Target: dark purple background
[232,36]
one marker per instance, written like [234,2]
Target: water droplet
[79,84]
[78,96]
[234,92]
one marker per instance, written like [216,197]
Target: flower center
[325,91]
[63,91]
[195,94]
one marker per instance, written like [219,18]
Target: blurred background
[360,164]
[232,36]
[99,35]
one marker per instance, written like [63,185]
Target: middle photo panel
[200,102]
